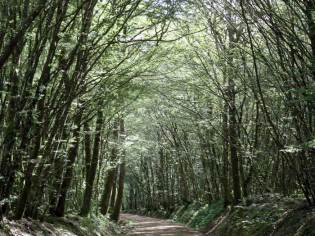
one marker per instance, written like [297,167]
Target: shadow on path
[147,226]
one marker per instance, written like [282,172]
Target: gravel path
[147,226]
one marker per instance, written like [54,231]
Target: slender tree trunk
[67,178]
[122,173]
[110,174]
[120,191]
[114,187]
[232,118]
[59,170]
[86,205]
[87,149]
[233,145]
[9,167]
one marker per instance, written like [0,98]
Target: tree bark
[110,174]
[122,173]
[86,205]
[66,182]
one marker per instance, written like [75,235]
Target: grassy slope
[267,215]
[71,226]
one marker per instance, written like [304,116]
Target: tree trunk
[232,118]
[113,192]
[120,191]
[72,154]
[110,174]
[234,144]
[86,205]
[122,173]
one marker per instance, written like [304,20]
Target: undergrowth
[198,215]
[262,215]
[70,225]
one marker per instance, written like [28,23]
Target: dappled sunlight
[148,226]
[197,112]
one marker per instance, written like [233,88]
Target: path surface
[147,226]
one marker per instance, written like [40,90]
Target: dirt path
[147,226]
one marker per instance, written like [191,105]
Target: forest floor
[261,215]
[64,226]
[147,226]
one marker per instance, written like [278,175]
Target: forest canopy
[154,104]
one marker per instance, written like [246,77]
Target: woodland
[145,106]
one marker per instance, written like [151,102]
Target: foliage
[267,216]
[197,215]
[148,105]
[206,214]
